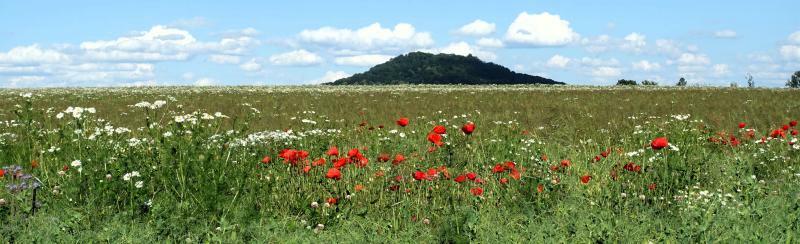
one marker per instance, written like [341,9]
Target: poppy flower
[585,179]
[460,178]
[785,127]
[543,157]
[399,158]
[632,167]
[306,169]
[431,173]
[402,122]
[515,174]
[652,186]
[353,153]
[333,151]
[359,187]
[334,173]
[659,143]
[794,132]
[510,165]
[468,128]
[65,168]
[778,133]
[379,173]
[439,129]
[340,163]
[565,163]
[419,175]
[471,176]
[266,160]
[540,188]
[34,164]
[2,173]
[605,153]
[383,157]
[742,125]
[333,200]
[435,139]
[503,181]
[793,123]
[498,168]
[597,158]
[554,168]
[477,191]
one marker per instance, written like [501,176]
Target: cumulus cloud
[645,65]
[634,42]
[33,54]
[296,58]
[720,69]
[725,34]
[693,59]
[490,42]
[605,71]
[597,44]
[251,66]
[373,37]
[463,49]
[791,50]
[330,76]
[601,68]
[477,28]
[224,59]
[558,61]
[542,29]
[362,60]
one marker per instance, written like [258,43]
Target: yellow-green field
[550,164]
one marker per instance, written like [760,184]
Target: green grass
[204,182]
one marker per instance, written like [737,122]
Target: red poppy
[334,173]
[2,173]
[503,181]
[597,158]
[651,186]
[362,162]
[319,162]
[419,175]
[565,163]
[540,188]
[439,129]
[34,164]
[498,168]
[794,132]
[659,143]
[383,157]
[554,168]
[65,168]
[778,133]
[477,191]
[471,176]
[306,169]
[734,141]
[632,167]
[460,178]
[341,162]
[785,127]
[266,160]
[435,139]
[544,157]
[431,173]
[333,151]
[394,187]
[468,128]
[333,200]
[510,165]
[742,125]
[585,179]
[403,122]
[354,153]
[515,174]
[605,153]
[399,158]
[793,123]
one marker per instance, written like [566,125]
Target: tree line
[793,82]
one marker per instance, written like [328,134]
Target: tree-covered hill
[426,68]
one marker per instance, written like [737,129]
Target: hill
[426,68]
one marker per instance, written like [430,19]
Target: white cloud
[668,47]
[33,54]
[645,65]
[693,59]
[598,44]
[362,60]
[720,69]
[725,34]
[791,51]
[330,76]
[490,42]
[251,66]
[296,58]
[477,28]
[558,61]
[634,42]
[463,49]
[586,61]
[205,82]
[542,29]
[369,38]
[605,71]
[224,59]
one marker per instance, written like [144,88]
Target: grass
[199,178]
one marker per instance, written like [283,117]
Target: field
[310,164]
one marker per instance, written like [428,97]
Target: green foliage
[649,83]
[794,81]
[624,82]
[426,68]
[681,82]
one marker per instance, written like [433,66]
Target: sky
[145,43]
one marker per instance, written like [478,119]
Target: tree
[624,82]
[649,83]
[681,82]
[794,82]
[750,82]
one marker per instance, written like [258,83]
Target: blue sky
[130,43]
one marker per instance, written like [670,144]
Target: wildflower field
[400,164]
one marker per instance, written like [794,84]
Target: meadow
[486,164]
